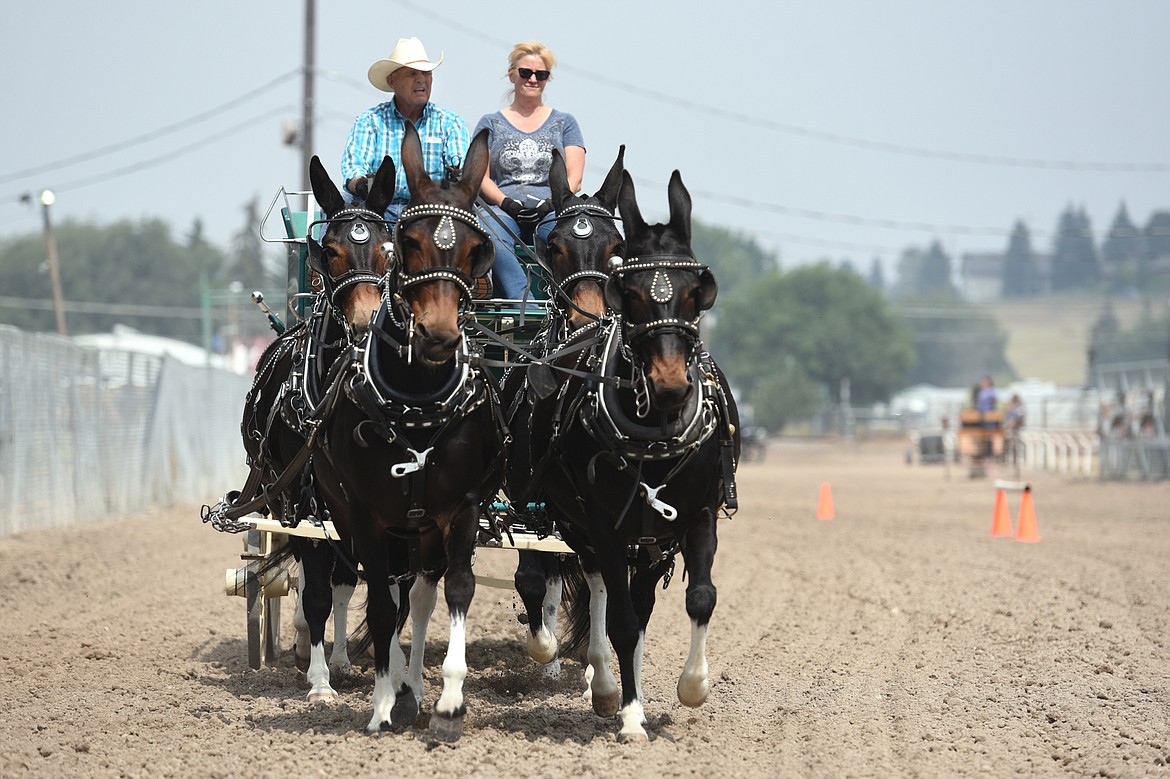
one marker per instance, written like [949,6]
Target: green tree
[1074,254]
[736,260]
[830,323]
[1157,235]
[126,264]
[1020,278]
[248,263]
[877,275]
[954,342]
[925,273]
[1124,242]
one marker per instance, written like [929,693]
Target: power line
[815,134]
[150,136]
[171,155]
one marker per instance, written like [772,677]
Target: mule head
[354,252]
[659,292]
[441,247]
[577,251]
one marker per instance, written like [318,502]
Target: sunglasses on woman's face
[527,73]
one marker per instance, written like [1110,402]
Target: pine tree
[877,276]
[1020,278]
[1074,254]
[1124,241]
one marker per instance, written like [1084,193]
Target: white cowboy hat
[407,53]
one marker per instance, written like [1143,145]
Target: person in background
[378,131]
[1014,417]
[521,138]
[986,398]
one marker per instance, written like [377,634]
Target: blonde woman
[522,136]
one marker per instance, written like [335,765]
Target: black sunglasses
[527,73]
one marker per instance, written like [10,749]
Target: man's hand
[359,187]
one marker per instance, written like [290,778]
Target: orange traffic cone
[1027,530]
[825,502]
[1001,523]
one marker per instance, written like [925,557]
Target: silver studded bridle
[445,238]
[363,224]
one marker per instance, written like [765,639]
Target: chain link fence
[89,433]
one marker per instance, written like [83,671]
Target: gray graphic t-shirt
[520,161]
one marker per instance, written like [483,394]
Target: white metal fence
[89,433]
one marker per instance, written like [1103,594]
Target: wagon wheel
[263,610]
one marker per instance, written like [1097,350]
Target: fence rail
[88,433]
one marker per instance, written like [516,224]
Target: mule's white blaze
[318,675]
[383,701]
[339,657]
[633,718]
[454,667]
[604,685]
[692,683]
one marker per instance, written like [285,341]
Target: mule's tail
[360,641]
[574,605]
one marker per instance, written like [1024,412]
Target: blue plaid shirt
[378,132]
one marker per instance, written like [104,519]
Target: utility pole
[47,199]
[307,104]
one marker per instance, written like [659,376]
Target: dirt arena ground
[899,639]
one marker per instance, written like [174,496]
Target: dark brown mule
[642,457]
[414,448]
[286,402]
[576,258]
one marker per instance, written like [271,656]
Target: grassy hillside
[1048,338]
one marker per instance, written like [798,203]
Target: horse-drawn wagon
[980,439]
[383,436]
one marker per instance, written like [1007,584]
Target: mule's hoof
[377,729]
[692,691]
[341,670]
[542,650]
[405,707]
[552,670]
[322,696]
[302,663]
[632,738]
[446,727]
[607,705]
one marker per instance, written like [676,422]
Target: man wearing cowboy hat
[378,131]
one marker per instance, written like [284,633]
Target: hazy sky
[848,130]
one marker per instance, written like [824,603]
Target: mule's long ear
[628,205]
[475,164]
[382,191]
[412,161]
[558,181]
[612,186]
[324,190]
[680,207]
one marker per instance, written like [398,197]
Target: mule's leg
[603,686]
[622,626]
[344,583]
[459,588]
[553,589]
[317,600]
[532,584]
[699,554]
[643,589]
[423,596]
[300,624]
[381,615]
